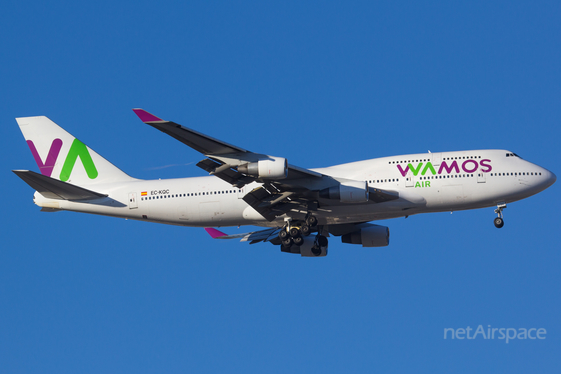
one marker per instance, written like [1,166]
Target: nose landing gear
[499,221]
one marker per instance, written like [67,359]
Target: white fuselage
[432,182]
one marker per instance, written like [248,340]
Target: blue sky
[320,83]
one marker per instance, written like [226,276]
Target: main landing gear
[293,233]
[499,221]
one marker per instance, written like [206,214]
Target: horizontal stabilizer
[54,188]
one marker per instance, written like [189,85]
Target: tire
[316,250]
[499,222]
[312,221]
[295,232]
[283,234]
[298,241]
[305,230]
[287,242]
[322,241]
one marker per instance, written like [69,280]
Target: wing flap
[224,172]
[55,189]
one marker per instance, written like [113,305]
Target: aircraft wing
[295,188]
[225,155]
[199,142]
[268,235]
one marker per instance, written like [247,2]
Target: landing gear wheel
[316,250]
[298,241]
[283,234]
[322,241]
[311,221]
[287,242]
[295,232]
[499,222]
[305,229]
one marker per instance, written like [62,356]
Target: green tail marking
[78,149]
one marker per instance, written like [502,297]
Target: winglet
[146,117]
[214,233]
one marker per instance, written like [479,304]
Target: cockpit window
[512,155]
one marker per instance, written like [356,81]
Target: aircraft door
[436,160]
[409,179]
[183,213]
[481,177]
[241,192]
[133,204]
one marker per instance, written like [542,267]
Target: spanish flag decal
[143,193]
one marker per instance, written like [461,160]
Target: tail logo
[77,149]
[47,167]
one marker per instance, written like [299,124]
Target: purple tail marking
[214,233]
[146,117]
[47,167]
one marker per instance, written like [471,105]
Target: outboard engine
[271,168]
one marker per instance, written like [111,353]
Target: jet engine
[347,192]
[271,168]
[369,236]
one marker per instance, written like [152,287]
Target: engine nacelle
[271,168]
[347,192]
[369,236]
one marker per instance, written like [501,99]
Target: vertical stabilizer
[61,156]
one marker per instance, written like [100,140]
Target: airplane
[299,207]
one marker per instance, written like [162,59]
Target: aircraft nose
[550,177]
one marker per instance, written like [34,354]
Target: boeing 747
[300,207]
